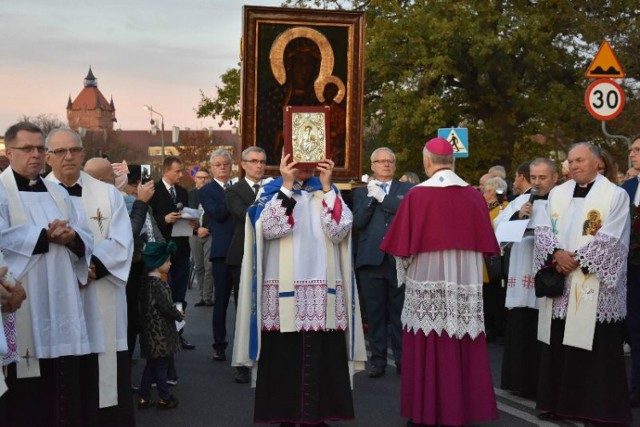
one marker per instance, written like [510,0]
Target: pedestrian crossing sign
[458,138]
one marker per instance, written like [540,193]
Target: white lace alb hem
[443,306]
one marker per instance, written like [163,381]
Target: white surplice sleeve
[275,221]
[335,227]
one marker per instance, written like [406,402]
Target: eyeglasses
[62,152]
[384,162]
[635,150]
[202,177]
[29,148]
[256,161]
[220,165]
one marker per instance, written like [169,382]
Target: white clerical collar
[53,178]
[444,178]
[588,183]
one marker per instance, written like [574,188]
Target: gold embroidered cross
[99,218]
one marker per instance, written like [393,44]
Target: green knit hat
[156,253]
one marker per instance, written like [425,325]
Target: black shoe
[376,371]
[134,389]
[548,416]
[200,303]
[186,345]
[145,403]
[219,356]
[169,403]
[242,375]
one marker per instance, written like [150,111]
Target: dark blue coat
[221,222]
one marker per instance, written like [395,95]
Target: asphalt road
[209,396]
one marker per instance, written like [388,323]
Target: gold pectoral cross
[99,217]
[27,358]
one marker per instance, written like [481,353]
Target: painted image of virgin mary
[301,61]
[302,64]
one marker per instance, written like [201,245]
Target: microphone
[532,197]
[179,206]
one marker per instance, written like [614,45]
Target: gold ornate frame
[339,37]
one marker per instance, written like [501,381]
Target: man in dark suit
[165,203]
[201,243]
[221,225]
[373,210]
[633,278]
[238,199]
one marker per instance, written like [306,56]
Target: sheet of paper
[190,213]
[182,228]
[180,325]
[511,231]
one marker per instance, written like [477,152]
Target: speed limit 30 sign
[604,99]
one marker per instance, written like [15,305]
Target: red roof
[90,98]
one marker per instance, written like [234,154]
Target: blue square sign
[458,138]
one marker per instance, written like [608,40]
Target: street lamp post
[151,110]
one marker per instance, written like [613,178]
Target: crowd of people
[93,260]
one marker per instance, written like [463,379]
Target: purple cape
[432,219]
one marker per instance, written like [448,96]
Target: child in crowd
[158,334]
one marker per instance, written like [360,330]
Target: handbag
[549,282]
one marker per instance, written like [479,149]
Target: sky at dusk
[159,53]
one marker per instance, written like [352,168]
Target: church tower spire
[90,80]
[90,109]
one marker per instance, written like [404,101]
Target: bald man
[101,170]
[107,397]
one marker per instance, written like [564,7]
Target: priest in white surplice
[104,299]
[48,251]
[522,348]
[585,236]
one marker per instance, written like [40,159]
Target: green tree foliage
[512,71]
[226,105]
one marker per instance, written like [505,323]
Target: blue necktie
[384,186]
[172,193]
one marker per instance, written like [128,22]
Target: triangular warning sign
[456,143]
[605,64]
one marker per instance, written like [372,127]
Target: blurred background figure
[521,182]
[566,172]
[606,165]
[4,162]
[494,294]
[494,190]
[410,177]
[499,171]
[200,243]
